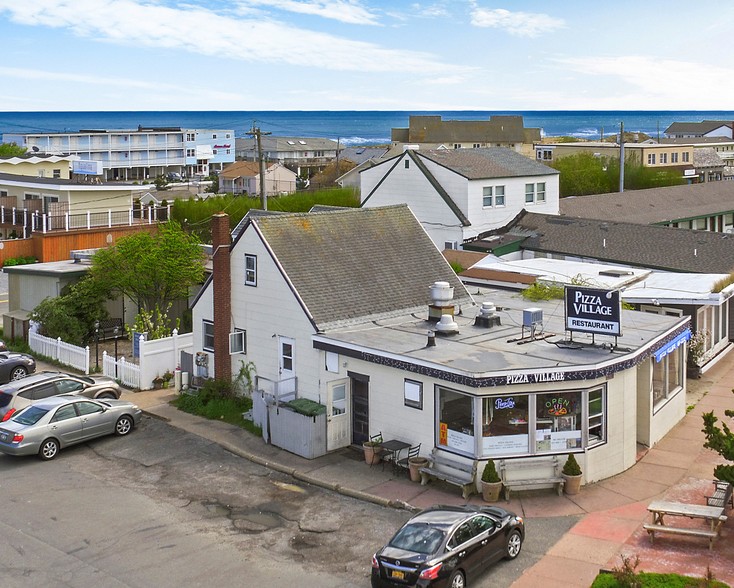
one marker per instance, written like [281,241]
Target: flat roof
[479,356]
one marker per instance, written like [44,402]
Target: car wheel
[18,373]
[124,425]
[514,545]
[107,396]
[49,449]
[457,580]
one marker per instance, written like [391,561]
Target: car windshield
[420,538]
[30,416]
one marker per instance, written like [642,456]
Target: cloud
[520,24]
[141,23]
[347,11]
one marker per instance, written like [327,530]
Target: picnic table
[660,509]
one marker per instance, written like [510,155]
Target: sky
[121,55]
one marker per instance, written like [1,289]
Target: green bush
[571,467]
[489,474]
[11,261]
[306,407]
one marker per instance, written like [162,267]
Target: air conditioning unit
[532,317]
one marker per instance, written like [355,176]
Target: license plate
[398,575]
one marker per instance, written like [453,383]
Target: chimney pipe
[222,284]
[431,339]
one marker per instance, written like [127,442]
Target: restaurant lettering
[538,378]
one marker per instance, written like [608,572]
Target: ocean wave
[347,141]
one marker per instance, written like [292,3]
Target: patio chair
[414,451]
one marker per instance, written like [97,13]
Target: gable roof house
[356,310]
[458,194]
[243,177]
[304,155]
[705,128]
[431,132]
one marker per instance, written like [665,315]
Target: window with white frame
[529,193]
[331,361]
[250,270]
[191,153]
[407,164]
[596,424]
[499,195]
[57,173]
[207,332]
[413,394]
[487,196]
[686,157]
[667,376]
[650,159]
[674,157]
[237,342]
[191,136]
[540,193]
[663,158]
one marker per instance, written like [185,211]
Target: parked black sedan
[447,546]
[14,366]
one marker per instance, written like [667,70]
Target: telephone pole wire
[257,133]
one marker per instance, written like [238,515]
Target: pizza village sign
[536,378]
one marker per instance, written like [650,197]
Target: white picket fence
[66,353]
[127,372]
[156,358]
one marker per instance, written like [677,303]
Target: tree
[72,314]
[11,150]
[153,270]
[720,440]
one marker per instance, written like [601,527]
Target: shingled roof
[490,162]
[654,205]
[647,246]
[353,263]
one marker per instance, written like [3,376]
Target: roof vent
[532,317]
[447,325]
[487,317]
[441,293]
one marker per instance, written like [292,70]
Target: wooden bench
[531,472]
[452,471]
[722,495]
[652,529]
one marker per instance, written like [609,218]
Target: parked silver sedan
[49,425]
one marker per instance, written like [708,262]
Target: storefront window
[558,421]
[596,416]
[667,376]
[456,421]
[505,424]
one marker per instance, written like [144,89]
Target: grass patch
[227,409]
[650,580]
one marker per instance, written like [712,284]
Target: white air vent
[532,317]
[447,325]
[441,293]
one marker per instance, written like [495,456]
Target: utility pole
[621,157]
[338,141]
[257,133]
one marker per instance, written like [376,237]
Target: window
[214,135]
[64,413]
[540,196]
[558,421]
[650,159]
[3,193]
[228,151]
[663,158]
[191,153]
[208,335]
[214,151]
[505,422]
[88,408]
[237,342]
[499,195]
[674,157]
[476,145]
[68,386]
[57,173]
[596,408]
[407,164]
[529,193]
[250,270]
[686,156]
[667,376]
[455,421]
[544,154]
[457,145]
[331,361]
[487,196]
[191,136]
[413,394]
[226,136]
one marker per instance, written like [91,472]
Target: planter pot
[491,491]
[572,484]
[371,453]
[414,466]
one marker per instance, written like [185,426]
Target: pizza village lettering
[536,378]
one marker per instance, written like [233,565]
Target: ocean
[352,127]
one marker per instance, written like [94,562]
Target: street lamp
[96,344]
[117,333]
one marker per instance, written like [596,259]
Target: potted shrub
[572,475]
[372,450]
[491,482]
[696,350]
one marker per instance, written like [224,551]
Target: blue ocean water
[352,127]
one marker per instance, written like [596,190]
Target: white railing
[127,373]
[66,353]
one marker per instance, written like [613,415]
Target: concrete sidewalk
[612,511]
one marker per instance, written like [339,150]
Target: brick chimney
[222,284]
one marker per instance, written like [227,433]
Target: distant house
[39,166]
[705,128]
[243,177]
[458,194]
[304,155]
[431,132]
